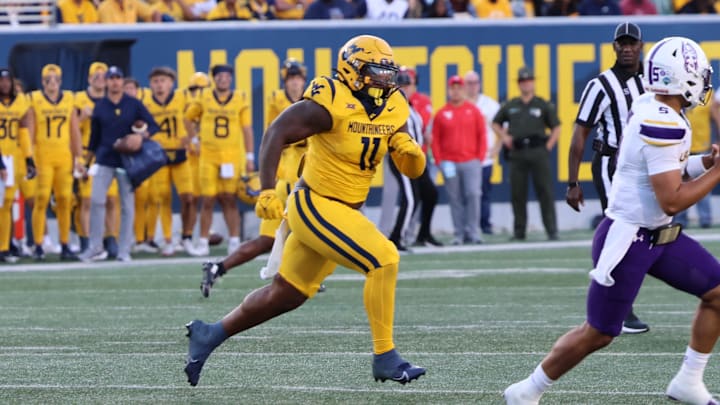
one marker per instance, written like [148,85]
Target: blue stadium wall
[565,54]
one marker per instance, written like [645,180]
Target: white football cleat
[168,250]
[202,249]
[689,392]
[516,394]
[49,246]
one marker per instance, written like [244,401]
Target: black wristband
[573,184]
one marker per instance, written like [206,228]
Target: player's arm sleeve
[24,142]
[663,144]
[145,115]
[592,104]
[322,91]
[406,154]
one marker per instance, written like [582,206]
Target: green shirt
[525,120]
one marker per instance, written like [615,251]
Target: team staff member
[226,152]
[58,147]
[528,116]
[293,74]
[113,118]
[14,109]
[459,147]
[84,104]
[327,227]
[167,106]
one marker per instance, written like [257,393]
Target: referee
[605,105]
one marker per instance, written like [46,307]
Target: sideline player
[352,122]
[58,147]
[13,116]
[293,74]
[167,106]
[226,152]
[637,236]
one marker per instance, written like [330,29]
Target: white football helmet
[677,65]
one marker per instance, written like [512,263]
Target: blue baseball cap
[114,71]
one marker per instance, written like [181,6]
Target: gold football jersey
[341,163]
[291,154]
[52,121]
[169,117]
[82,100]
[221,123]
[10,116]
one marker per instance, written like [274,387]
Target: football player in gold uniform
[25,179]
[14,117]
[198,81]
[226,151]
[58,147]
[84,105]
[167,108]
[293,74]
[350,123]
[146,213]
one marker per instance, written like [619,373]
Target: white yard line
[81,355]
[499,247]
[407,390]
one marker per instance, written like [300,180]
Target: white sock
[203,242]
[234,240]
[693,366]
[540,381]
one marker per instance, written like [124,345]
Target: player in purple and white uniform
[655,179]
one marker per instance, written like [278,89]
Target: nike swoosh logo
[390,109]
[403,377]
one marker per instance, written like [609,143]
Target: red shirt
[421,103]
[459,133]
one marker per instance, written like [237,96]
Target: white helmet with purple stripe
[677,65]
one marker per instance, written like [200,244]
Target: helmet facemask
[379,80]
[703,93]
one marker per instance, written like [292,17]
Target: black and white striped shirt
[606,102]
[415,126]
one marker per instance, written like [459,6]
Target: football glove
[403,144]
[407,155]
[31,169]
[268,205]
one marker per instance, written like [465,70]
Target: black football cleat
[198,350]
[211,272]
[390,366]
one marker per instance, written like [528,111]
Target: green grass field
[477,320]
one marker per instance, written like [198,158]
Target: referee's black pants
[603,169]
